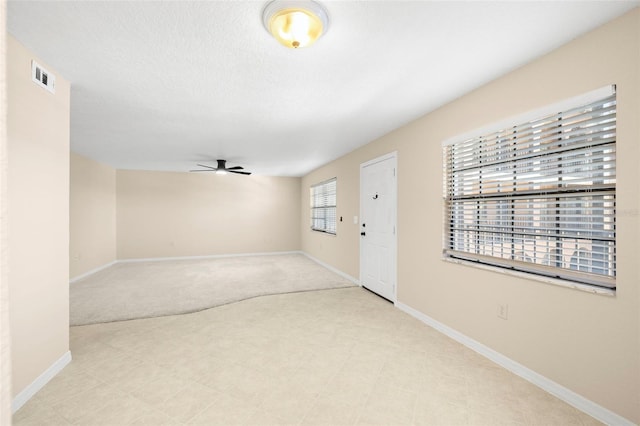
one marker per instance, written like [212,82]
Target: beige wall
[92,215]
[5,337]
[38,218]
[167,214]
[585,342]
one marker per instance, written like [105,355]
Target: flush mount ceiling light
[295,23]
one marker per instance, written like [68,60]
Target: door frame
[394,243]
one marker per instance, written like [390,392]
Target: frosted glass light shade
[295,23]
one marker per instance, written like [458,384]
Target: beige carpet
[150,289]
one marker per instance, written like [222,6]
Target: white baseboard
[212,256]
[578,401]
[91,272]
[27,393]
[332,269]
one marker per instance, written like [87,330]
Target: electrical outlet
[503,312]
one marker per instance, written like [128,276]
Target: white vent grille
[42,77]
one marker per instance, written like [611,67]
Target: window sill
[333,234]
[540,278]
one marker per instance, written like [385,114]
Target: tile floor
[332,357]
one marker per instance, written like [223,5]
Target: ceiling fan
[221,169]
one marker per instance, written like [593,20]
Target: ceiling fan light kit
[295,23]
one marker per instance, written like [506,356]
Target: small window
[323,206]
[538,196]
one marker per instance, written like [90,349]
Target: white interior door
[378,206]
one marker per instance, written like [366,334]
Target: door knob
[363,234]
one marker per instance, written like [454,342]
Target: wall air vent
[42,77]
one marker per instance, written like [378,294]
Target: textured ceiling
[164,85]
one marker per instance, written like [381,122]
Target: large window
[323,206]
[538,196]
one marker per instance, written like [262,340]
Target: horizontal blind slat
[540,191]
[323,202]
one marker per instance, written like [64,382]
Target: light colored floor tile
[82,405]
[155,418]
[201,370]
[388,405]
[236,380]
[498,417]
[117,412]
[157,392]
[33,408]
[354,395]
[309,380]
[86,355]
[143,374]
[114,369]
[167,352]
[403,374]
[264,418]
[331,410]
[440,413]
[189,402]
[555,413]
[67,384]
[339,357]
[290,404]
[44,417]
[225,410]
[445,388]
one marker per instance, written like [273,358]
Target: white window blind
[323,206]
[538,196]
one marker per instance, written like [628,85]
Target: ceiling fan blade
[221,168]
[208,167]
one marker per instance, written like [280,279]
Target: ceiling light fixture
[295,23]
